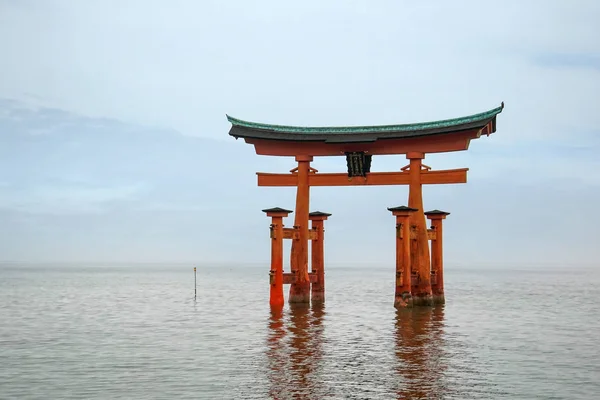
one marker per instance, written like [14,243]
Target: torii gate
[419,277]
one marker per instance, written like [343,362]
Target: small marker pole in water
[194,283]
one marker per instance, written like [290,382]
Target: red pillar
[420,250]
[317,219]
[276,274]
[300,289]
[437,256]
[403,296]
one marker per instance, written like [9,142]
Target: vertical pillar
[420,251]
[300,289]
[276,274]
[317,265]
[403,295]
[437,256]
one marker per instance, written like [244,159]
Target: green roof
[446,123]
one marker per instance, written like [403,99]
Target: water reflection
[294,352]
[419,351]
[276,353]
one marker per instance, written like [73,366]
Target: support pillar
[403,296]
[317,265]
[300,288]
[422,294]
[437,256]
[276,273]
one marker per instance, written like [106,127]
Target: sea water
[136,332]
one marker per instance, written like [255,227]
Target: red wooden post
[276,274]
[437,256]
[300,289]
[318,261]
[420,249]
[403,296]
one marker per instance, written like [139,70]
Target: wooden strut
[294,233]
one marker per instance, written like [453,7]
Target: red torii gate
[419,277]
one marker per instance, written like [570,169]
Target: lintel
[449,176]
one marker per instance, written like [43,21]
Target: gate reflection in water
[295,351]
[419,351]
[295,355]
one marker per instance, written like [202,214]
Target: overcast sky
[114,144]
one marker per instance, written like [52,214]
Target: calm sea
[137,333]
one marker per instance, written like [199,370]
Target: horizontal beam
[372,178]
[431,234]
[414,278]
[290,277]
[292,233]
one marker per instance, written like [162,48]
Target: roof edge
[482,116]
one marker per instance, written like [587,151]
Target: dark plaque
[359,163]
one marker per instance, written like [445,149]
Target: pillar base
[299,293]
[276,295]
[424,299]
[403,300]
[439,298]
[276,302]
[317,297]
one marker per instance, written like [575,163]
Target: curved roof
[343,134]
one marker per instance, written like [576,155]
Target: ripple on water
[100,333]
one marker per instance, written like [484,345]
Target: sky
[114,144]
